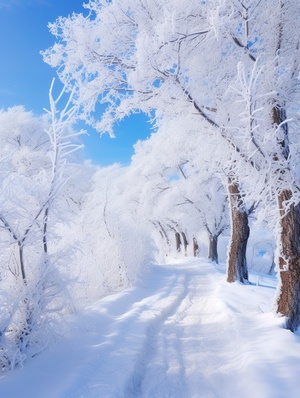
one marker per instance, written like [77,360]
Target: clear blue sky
[25,78]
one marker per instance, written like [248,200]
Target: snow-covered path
[185,333]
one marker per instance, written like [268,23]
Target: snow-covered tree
[181,193]
[34,152]
[266,100]
[114,243]
[153,59]
[218,60]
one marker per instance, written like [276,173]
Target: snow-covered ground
[183,333]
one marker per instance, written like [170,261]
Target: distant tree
[182,193]
[211,204]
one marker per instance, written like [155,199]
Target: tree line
[233,67]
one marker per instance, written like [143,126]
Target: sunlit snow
[182,332]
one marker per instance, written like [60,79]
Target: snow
[181,332]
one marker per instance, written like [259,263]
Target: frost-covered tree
[154,59]
[115,246]
[33,156]
[265,94]
[210,202]
[218,60]
[180,193]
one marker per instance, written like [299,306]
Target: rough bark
[236,262]
[213,248]
[288,301]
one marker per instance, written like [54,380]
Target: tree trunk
[21,259]
[288,301]
[185,242]
[213,248]
[195,247]
[178,241]
[236,262]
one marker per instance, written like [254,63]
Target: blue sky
[25,79]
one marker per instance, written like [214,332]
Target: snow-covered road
[184,333]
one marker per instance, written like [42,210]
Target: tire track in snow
[170,376]
[156,343]
[133,388]
[126,337]
[164,344]
[184,341]
[207,330]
